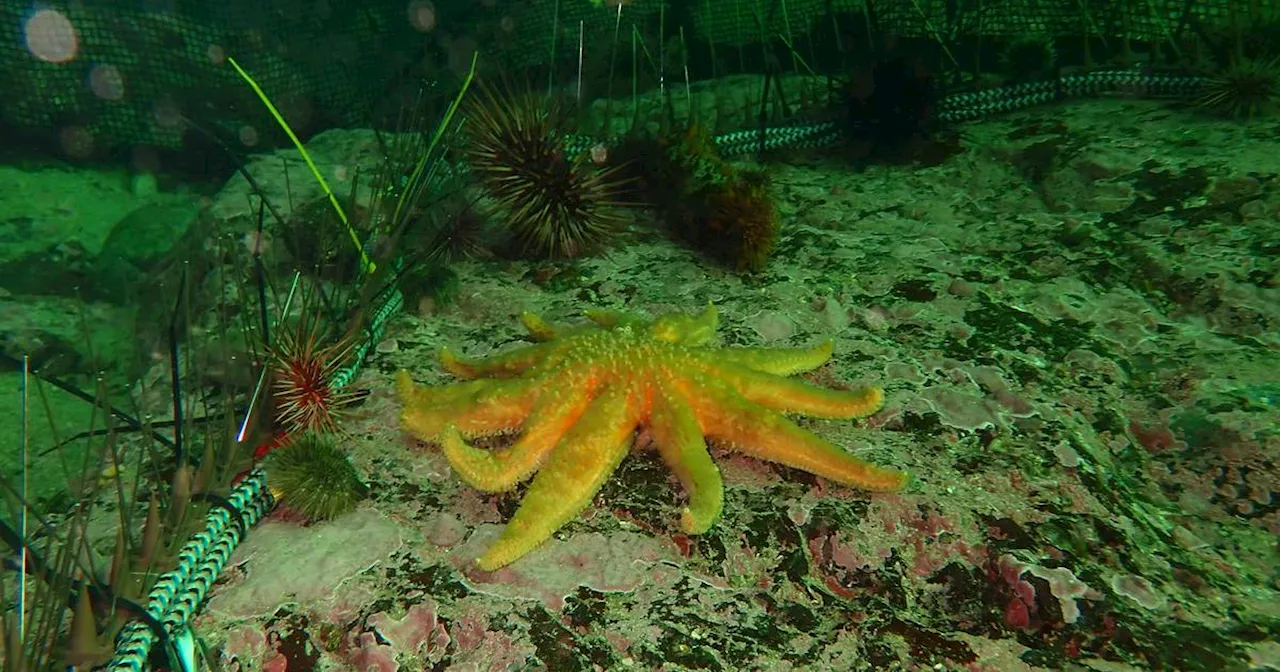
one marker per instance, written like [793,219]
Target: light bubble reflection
[106,82]
[422,15]
[50,36]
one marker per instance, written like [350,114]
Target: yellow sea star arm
[797,396]
[506,364]
[761,433]
[476,408]
[608,319]
[412,393]
[571,477]
[675,430]
[687,330]
[679,328]
[776,361]
[501,470]
[539,329]
[424,398]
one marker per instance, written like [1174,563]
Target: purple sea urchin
[1246,88]
[556,205]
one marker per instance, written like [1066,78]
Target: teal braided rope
[808,136]
[377,327]
[955,108]
[735,143]
[980,104]
[188,601]
[174,595]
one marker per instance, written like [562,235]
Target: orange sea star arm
[789,395]
[776,361]
[676,433]
[761,433]
[688,330]
[507,364]
[574,472]
[501,470]
[476,408]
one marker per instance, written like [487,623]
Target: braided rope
[377,326]
[207,572]
[176,594]
[980,104]
[959,107]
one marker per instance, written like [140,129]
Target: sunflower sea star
[579,394]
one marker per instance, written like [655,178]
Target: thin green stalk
[790,38]
[613,56]
[635,80]
[555,36]
[315,172]
[688,94]
[26,494]
[423,161]
[933,32]
[711,45]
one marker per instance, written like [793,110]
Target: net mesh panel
[526,28]
[139,72]
[138,75]
[736,22]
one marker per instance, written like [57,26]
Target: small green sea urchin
[312,476]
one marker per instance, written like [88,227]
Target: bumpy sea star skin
[578,395]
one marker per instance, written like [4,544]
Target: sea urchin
[1246,88]
[557,205]
[313,477]
[737,221]
[303,365]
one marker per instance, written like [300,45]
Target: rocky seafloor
[1077,325]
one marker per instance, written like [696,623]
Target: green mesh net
[737,22]
[104,76]
[109,75]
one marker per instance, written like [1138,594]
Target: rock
[59,270]
[139,248]
[147,235]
